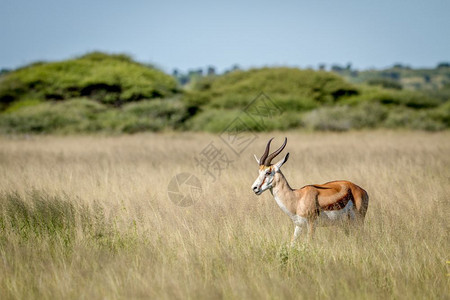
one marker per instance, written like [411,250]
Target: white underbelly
[333,217]
[326,218]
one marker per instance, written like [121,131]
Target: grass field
[89,217]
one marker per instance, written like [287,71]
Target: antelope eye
[268,172]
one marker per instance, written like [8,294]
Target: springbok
[330,203]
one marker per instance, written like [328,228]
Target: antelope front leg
[297,231]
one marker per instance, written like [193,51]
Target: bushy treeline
[112,93]
[401,76]
[316,100]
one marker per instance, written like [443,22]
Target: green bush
[385,83]
[342,118]
[154,115]
[22,103]
[413,119]
[76,115]
[213,120]
[442,114]
[222,99]
[392,98]
[329,118]
[111,79]
[219,120]
[375,115]
[84,115]
[299,89]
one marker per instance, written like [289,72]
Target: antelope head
[267,171]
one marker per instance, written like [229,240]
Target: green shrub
[385,83]
[329,118]
[222,99]
[299,89]
[342,118]
[413,119]
[213,120]
[442,114]
[219,120]
[416,100]
[22,103]
[392,98]
[76,115]
[111,79]
[154,115]
[83,115]
[118,121]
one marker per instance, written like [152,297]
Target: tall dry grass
[89,217]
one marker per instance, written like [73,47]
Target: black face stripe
[264,180]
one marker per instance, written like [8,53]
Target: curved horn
[264,156]
[272,156]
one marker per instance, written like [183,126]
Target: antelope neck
[283,193]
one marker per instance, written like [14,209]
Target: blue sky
[191,34]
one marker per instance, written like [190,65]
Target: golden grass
[89,217]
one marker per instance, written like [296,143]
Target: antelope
[331,203]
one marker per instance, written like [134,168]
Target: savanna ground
[89,217]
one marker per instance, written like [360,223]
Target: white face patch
[264,180]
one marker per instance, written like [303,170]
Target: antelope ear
[257,160]
[281,162]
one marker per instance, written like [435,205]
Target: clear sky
[191,34]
